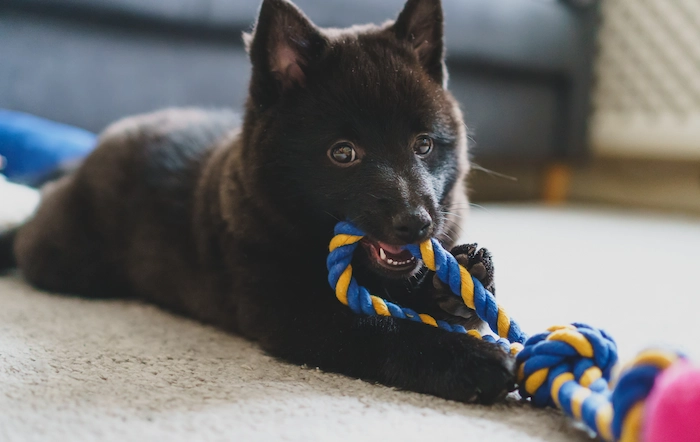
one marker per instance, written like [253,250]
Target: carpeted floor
[80,370]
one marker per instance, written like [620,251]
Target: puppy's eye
[423,145]
[343,153]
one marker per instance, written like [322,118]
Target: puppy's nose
[412,226]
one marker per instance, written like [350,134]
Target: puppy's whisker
[456,204]
[451,213]
[493,173]
[477,206]
[354,220]
[331,215]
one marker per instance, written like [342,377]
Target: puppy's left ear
[421,23]
[282,47]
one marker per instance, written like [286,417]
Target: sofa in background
[522,69]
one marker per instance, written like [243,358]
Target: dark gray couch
[521,68]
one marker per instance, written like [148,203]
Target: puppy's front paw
[479,263]
[481,372]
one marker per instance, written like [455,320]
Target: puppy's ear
[282,46]
[421,24]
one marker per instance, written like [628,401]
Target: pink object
[672,412]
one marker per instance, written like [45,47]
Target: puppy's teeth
[390,261]
[382,254]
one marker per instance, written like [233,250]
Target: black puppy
[231,226]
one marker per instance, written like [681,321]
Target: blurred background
[566,100]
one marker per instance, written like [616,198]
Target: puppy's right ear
[421,24]
[282,47]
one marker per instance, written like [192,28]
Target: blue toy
[32,146]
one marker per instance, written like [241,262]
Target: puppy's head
[357,124]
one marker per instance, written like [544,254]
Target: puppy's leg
[395,352]
[60,250]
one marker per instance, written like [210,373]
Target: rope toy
[568,366]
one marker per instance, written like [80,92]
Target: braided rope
[475,296]
[568,366]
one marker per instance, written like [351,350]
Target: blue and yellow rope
[568,366]
[360,301]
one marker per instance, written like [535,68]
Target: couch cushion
[532,34]
[89,75]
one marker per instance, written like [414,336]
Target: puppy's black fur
[231,226]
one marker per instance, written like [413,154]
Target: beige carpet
[81,370]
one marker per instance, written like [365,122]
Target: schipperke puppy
[228,222]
